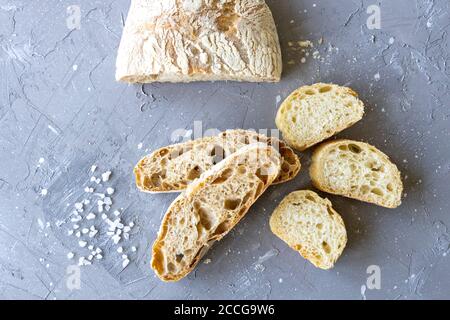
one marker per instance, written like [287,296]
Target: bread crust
[308,250]
[184,207]
[153,177]
[319,179]
[287,125]
[199,40]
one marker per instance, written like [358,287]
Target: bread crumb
[305,44]
[207,261]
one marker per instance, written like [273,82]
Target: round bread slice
[314,113]
[309,225]
[356,170]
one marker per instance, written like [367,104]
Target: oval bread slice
[210,208]
[314,113]
[356,170]
[173,168]
[309,225]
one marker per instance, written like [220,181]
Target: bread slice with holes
[211,206]
[356,170]
[314,113]
[173,168]
[310,225]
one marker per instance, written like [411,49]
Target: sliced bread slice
[314,113]
[173,168]
[309,225]
[356,170]
[211,206]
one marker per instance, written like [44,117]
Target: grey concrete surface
[61,112]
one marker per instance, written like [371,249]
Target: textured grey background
[75,118]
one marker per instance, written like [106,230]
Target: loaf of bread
[309,225]
[199,40]
[210,208]
[173,168]
[314,113]
[356,170]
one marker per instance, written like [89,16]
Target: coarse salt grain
[82,243]
[106,175]
[90,216]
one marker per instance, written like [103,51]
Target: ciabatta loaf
[174,167]
[314,113]
[210,208]
[199,40]
[309,225]
[356,170]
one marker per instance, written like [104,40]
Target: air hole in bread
[294,119]
[259,189]
[325,89]
[365,189]
[170,267]
[326,247]
[217,154]
[163,152]
[247,197]
[310,198]
[343,147]
[378,192]
[319,226]
[194,173]
[242,170]
[224,176]
[390,187]
[222,228]
[179,257]
[155,180]
[310,92]
[206,218]
[260,174]
[330,211]
[290,158]
[297,247]
[354,148]
[231,204]
[285,167]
